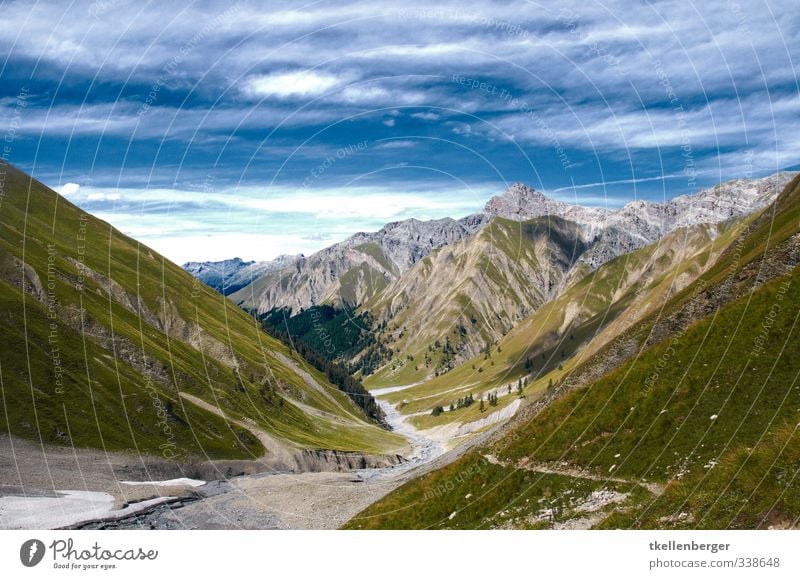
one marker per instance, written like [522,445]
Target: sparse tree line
[317,335]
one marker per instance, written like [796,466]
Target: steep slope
[453,303]
[351,272]
[231,275]
[687,419]
[583,317]
[106,343]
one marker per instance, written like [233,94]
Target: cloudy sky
[211,130]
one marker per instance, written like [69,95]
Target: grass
[710,412]
[374,250]
[183,337]
[473,493]
[602,297]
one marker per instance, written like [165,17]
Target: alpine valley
[534,365]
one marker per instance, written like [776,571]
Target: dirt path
[655,488]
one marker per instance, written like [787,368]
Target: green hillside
[464,297]
[101,334]
[554,339]
[691,424]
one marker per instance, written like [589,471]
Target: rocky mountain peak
[522,201]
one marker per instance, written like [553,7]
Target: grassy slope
[481,284]
[575,321]
[651,420]
[105,397]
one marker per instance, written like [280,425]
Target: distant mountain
[231,275]
[354,270]
[107,344]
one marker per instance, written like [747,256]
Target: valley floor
[52,487]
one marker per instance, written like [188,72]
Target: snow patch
[65,509]
[175,482]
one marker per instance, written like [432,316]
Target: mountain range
[594,368]
[353,271]
[442,292]
[683,417]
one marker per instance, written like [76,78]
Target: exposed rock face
[640,223]
[354,270]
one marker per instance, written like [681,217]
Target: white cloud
[219,246]
[286,84]
[95,196]
[397,144]
[427,116]
[234,222]
[68,189]
[360,204]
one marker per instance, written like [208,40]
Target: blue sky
[211,130]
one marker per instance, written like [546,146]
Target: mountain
[107,344]
[468,294]
[231,275]
[464,298]
[352,271]
[640,223]
[684,419]
[586,312]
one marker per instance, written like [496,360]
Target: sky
[209,130]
